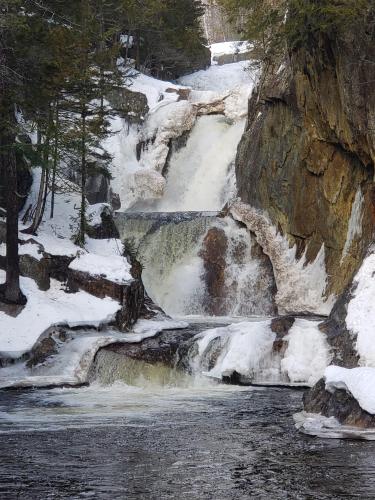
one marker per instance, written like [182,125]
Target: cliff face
[307,155]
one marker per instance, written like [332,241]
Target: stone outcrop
[129,104]
[130,295]
[309,148]
[338,404]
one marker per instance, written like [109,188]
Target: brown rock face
[213,253]
[231,285]
[308,148]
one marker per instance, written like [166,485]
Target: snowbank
[221,78]
[360,319]
[223,48]
[359,382]
[44,309]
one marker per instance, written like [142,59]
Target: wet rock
[339,404]
[159,349]
[97,189]
[213,253]
[339,338]
[42,351]
[282,325]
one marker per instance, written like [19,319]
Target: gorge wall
[307,154]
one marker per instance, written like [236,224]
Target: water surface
[197,441]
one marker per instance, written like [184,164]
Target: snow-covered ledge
[45,309]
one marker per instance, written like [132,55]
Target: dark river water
[200,442]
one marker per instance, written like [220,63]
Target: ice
[301,286]
[355,223]
[307,354]
[314,424]
[76,354]
[243,348]
[360,319]
[247,349]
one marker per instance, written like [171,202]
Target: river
[196,441]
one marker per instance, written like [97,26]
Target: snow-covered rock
[44,309]
[359,382]
[248,349]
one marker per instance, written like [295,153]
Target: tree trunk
[55,159]
[11,291]
[82,215]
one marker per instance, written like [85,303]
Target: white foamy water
[201,174]
[101,405]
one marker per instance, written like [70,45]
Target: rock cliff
[307,155]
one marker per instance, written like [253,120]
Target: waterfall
[199,264]
[201,174]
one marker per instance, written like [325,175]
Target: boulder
[338,404]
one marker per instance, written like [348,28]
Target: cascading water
[201,174]
[199,263]
[178,158]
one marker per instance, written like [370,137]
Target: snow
[106,248]
[359,382]
[307,354]
[221,78]
[360,319]
[94,213]
[31,249]
[114,268]
[154,90]
[47,308]
[223,48]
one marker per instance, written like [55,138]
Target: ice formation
[300,287]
